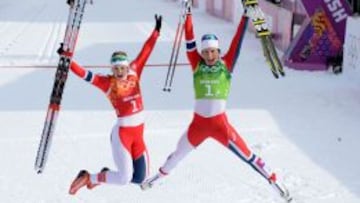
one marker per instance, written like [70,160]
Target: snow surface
[305,126]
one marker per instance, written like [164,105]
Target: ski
[75,16]
[176,47]
[262,30]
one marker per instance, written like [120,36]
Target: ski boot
[149,183]
[81,180]
[101,178]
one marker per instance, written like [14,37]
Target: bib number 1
[209,91]
[134,106]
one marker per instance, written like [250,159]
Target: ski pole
[176,57]
[171,63]
[176,47]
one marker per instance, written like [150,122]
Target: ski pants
[130,156]
[218,128]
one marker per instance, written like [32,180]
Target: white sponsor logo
[131,97]
[337,10]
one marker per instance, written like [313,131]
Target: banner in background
[221,8]
[296,8]
[321,35]
[352,45]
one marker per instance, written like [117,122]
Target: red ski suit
[128,147]
[209,118]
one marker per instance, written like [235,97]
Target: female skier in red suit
[122,88]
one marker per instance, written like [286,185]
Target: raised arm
[191,49]
[96,80]
[233,53]
[139,63]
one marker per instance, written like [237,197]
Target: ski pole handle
[187,4]
[72,2]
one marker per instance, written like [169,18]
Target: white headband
[211,43]
[120,63]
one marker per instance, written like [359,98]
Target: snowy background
[305,126]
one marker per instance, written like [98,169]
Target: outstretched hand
[187,5]
[70,2]
[158,19]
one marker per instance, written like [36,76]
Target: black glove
[70,2]
[60,50]
[187,5]
[158,19]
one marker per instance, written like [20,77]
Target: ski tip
[282,74]
[39,171]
